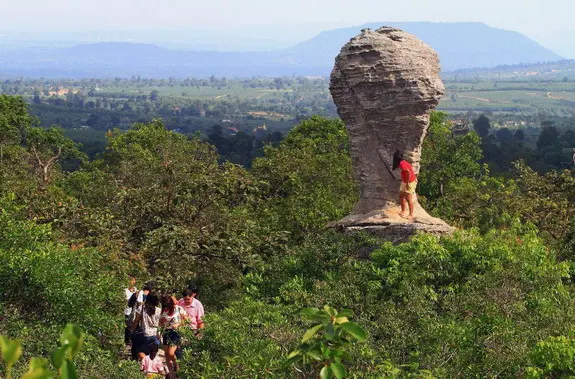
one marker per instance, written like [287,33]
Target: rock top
[385,84]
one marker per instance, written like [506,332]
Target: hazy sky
[546,21]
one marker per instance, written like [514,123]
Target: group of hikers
[152,322]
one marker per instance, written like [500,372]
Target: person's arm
[200,323]
[406,168]
[406,175]
[403,171]
[184,317]
[136,320]
[200,318]
[176,325]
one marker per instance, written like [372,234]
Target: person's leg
[137,341]
[403,202]
[127,331]
[171,358]
[168,357]
[411,202]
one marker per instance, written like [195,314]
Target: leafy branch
[327,340]
[61,358]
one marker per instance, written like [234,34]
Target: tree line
[494,299]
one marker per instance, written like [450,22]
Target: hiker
[147,319]
[146,290]
[136,301]
[128,292]
[152,364]
[408,184]
[193,308]
[171,318]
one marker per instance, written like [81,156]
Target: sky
[548,22]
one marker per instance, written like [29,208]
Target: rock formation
[385,84]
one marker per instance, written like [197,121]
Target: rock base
[388,225]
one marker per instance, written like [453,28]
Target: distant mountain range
[459,45]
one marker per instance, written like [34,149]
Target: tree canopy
[493,299]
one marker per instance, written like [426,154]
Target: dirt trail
[549,96]
[476,98]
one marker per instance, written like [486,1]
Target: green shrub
[553,357]
[246,340]
[323,347]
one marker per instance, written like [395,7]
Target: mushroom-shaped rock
[385,84]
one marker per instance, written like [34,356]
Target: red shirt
[407,174]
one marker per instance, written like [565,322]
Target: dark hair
[153,349]
[168,304]
[149,286]
[397,157]
[133,299]
[152,302]
[191,290]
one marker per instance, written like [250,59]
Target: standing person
[193,308]
[128,292]
[171,318]
[136,301]
[148,320]
[408,184]
[152,364]
[146,290]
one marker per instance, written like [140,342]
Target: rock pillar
[385,84]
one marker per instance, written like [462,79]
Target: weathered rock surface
[385,84]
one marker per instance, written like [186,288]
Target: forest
[241,116]
[495,299]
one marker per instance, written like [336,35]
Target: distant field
[509,97]
[192,104]
[513,97]
[201,93]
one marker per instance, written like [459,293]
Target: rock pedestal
[385,84]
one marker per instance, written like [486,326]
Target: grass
[511,97]
[200,93]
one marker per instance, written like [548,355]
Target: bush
[248,339]
[468,305]
[46,284]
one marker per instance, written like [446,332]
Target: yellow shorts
[408,187]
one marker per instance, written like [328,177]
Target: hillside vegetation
[493,300]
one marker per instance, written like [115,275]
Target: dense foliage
[508,107]
[493,300]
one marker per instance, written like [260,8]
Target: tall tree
[549,136]
[482,126]
[504,135]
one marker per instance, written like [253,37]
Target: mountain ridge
[489,47]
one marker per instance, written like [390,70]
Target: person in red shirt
[408,184]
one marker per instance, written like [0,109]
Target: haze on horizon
[547,22]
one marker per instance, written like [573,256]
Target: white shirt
[128,294]
[149,323]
